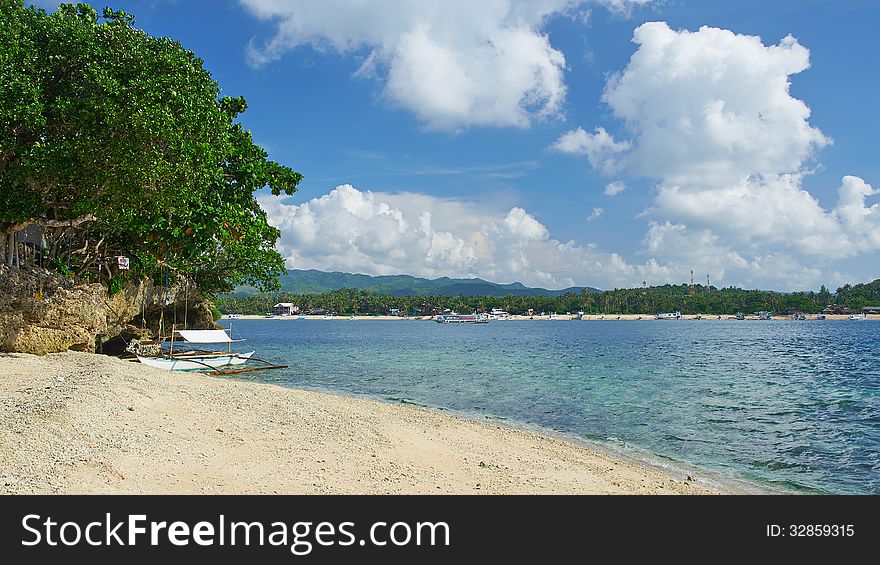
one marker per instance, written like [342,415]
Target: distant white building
[285,309]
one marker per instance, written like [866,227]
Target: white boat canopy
[206,336]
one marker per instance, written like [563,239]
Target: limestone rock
[42,312]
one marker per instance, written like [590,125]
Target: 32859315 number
[821,530]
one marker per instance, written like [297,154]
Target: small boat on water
[217,362]
[856,317]
[453,318]
[668,316]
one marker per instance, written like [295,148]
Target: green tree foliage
[667,298]
[860,295]
[119,143]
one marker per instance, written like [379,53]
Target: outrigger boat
[216,362]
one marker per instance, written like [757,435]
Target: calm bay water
[790,405]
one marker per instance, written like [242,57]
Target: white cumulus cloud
[454,64]
[712,105]
[378,233]
[778,212]
[600,148]
[709,115]
[614,188]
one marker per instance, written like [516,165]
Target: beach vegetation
[683,298]
[115,285]
[118,144]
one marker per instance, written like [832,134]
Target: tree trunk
[11,255]
[10,249]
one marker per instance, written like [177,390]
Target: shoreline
[78,423]
[620,451]
[554,317]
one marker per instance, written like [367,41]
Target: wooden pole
[185,301]
[171,349]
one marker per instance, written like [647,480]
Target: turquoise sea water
[787,405]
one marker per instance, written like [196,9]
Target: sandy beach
[77,423]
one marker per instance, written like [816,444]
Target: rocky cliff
[42,312]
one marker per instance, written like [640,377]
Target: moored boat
[200,360]
[668,316]
[499,314]
[454,318]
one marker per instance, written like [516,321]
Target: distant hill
[318,282]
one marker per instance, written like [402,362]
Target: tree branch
[46,223]
[65,223]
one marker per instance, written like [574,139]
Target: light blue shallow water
[790,405]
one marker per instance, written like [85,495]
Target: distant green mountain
[318,282]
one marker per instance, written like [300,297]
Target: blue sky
[738,138]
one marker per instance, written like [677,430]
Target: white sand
[81,423]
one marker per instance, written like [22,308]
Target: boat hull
[461,319]
[196,363]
